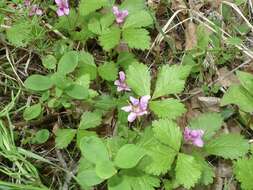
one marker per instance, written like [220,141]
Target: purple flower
[121,82]
[27,3]
[194,136]
[63,7]
[120,15]
[138,107]
[35,10]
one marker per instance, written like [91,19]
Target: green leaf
[87,65]
[168,108]
[168,132]
[94,149]
[38,82]
[88,178]
[246,80]
[136,38]
[110,38]
[64,137]
[83,133]
[133,5]
[125,59]
[137,20]
[49,62]
[68,62]
[90,120]
[171,80]
[244,173]
[105,103]
[118,183]
[128,156]
[94,26]
[105,169]
[32,112]
[83,80]
[41,136]
[229,146]
[240,96]
[208,122]
[202,37]
[234,41]
[77,91]
[86,6]
[159,156]
[108,71]
[188,171]
[138,79]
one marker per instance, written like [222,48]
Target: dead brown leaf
[226,78]
[190,36]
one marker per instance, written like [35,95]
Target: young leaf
[110,38]
[108,71]
[87,65]
[90,120]
[171,80]
[137,20]
[41,136]
[64,137]
[49,62]
[244,173]
[229,146]
[93,149]
[88,178]
[32,112]
[38,82]
[138,79]
[246,80]
[136,38]
[208,122]
[128,156]
[105,169]
[77,91]
[68,62]
[188,171]
[86,6]
[240,96]
[169,108]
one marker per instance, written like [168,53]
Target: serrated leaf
[68,62]
[93,149]
[244,173]
[90,120]
[87,6]
[138,79]
[64,137]
[108,71]
[32,112]
[94,26]
[188,171]
[136,38]
[169,108]
[87,65]
[38,82]
[246,80]
[110,38]
[105,169]
[137,20]
[168,132]
[171,80]
[240,96]
[128,156]
[229,146]
[88,178]
[208,122]
[159,156]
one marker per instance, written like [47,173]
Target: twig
[54,30]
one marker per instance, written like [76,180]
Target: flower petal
[198,142]
[144,102]
[66,11]
[59,12]
[131,117]
[115,10]
[127,108]
[134,101]
[122,76]
[58,2]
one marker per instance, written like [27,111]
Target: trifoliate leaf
[188,171]
[168,132]
[128,156]
[38,82]
[208,122]
[32,112]
[159,156]
[244,173]
[110,38]
[138,20]
[246,80]
[105,169]
[64,137]
[229,146]
[240,96]
[87,6]
[90,120]
[87,65]
[169,108]
[171,80]
[88,178]
[68,62]
[108,71]
[94,149]
[136,38]
[138,79]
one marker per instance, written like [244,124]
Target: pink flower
[121,82]
[194,136]
[27,3]
[63,7]
[120,15]
[35,10]
[137,107]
